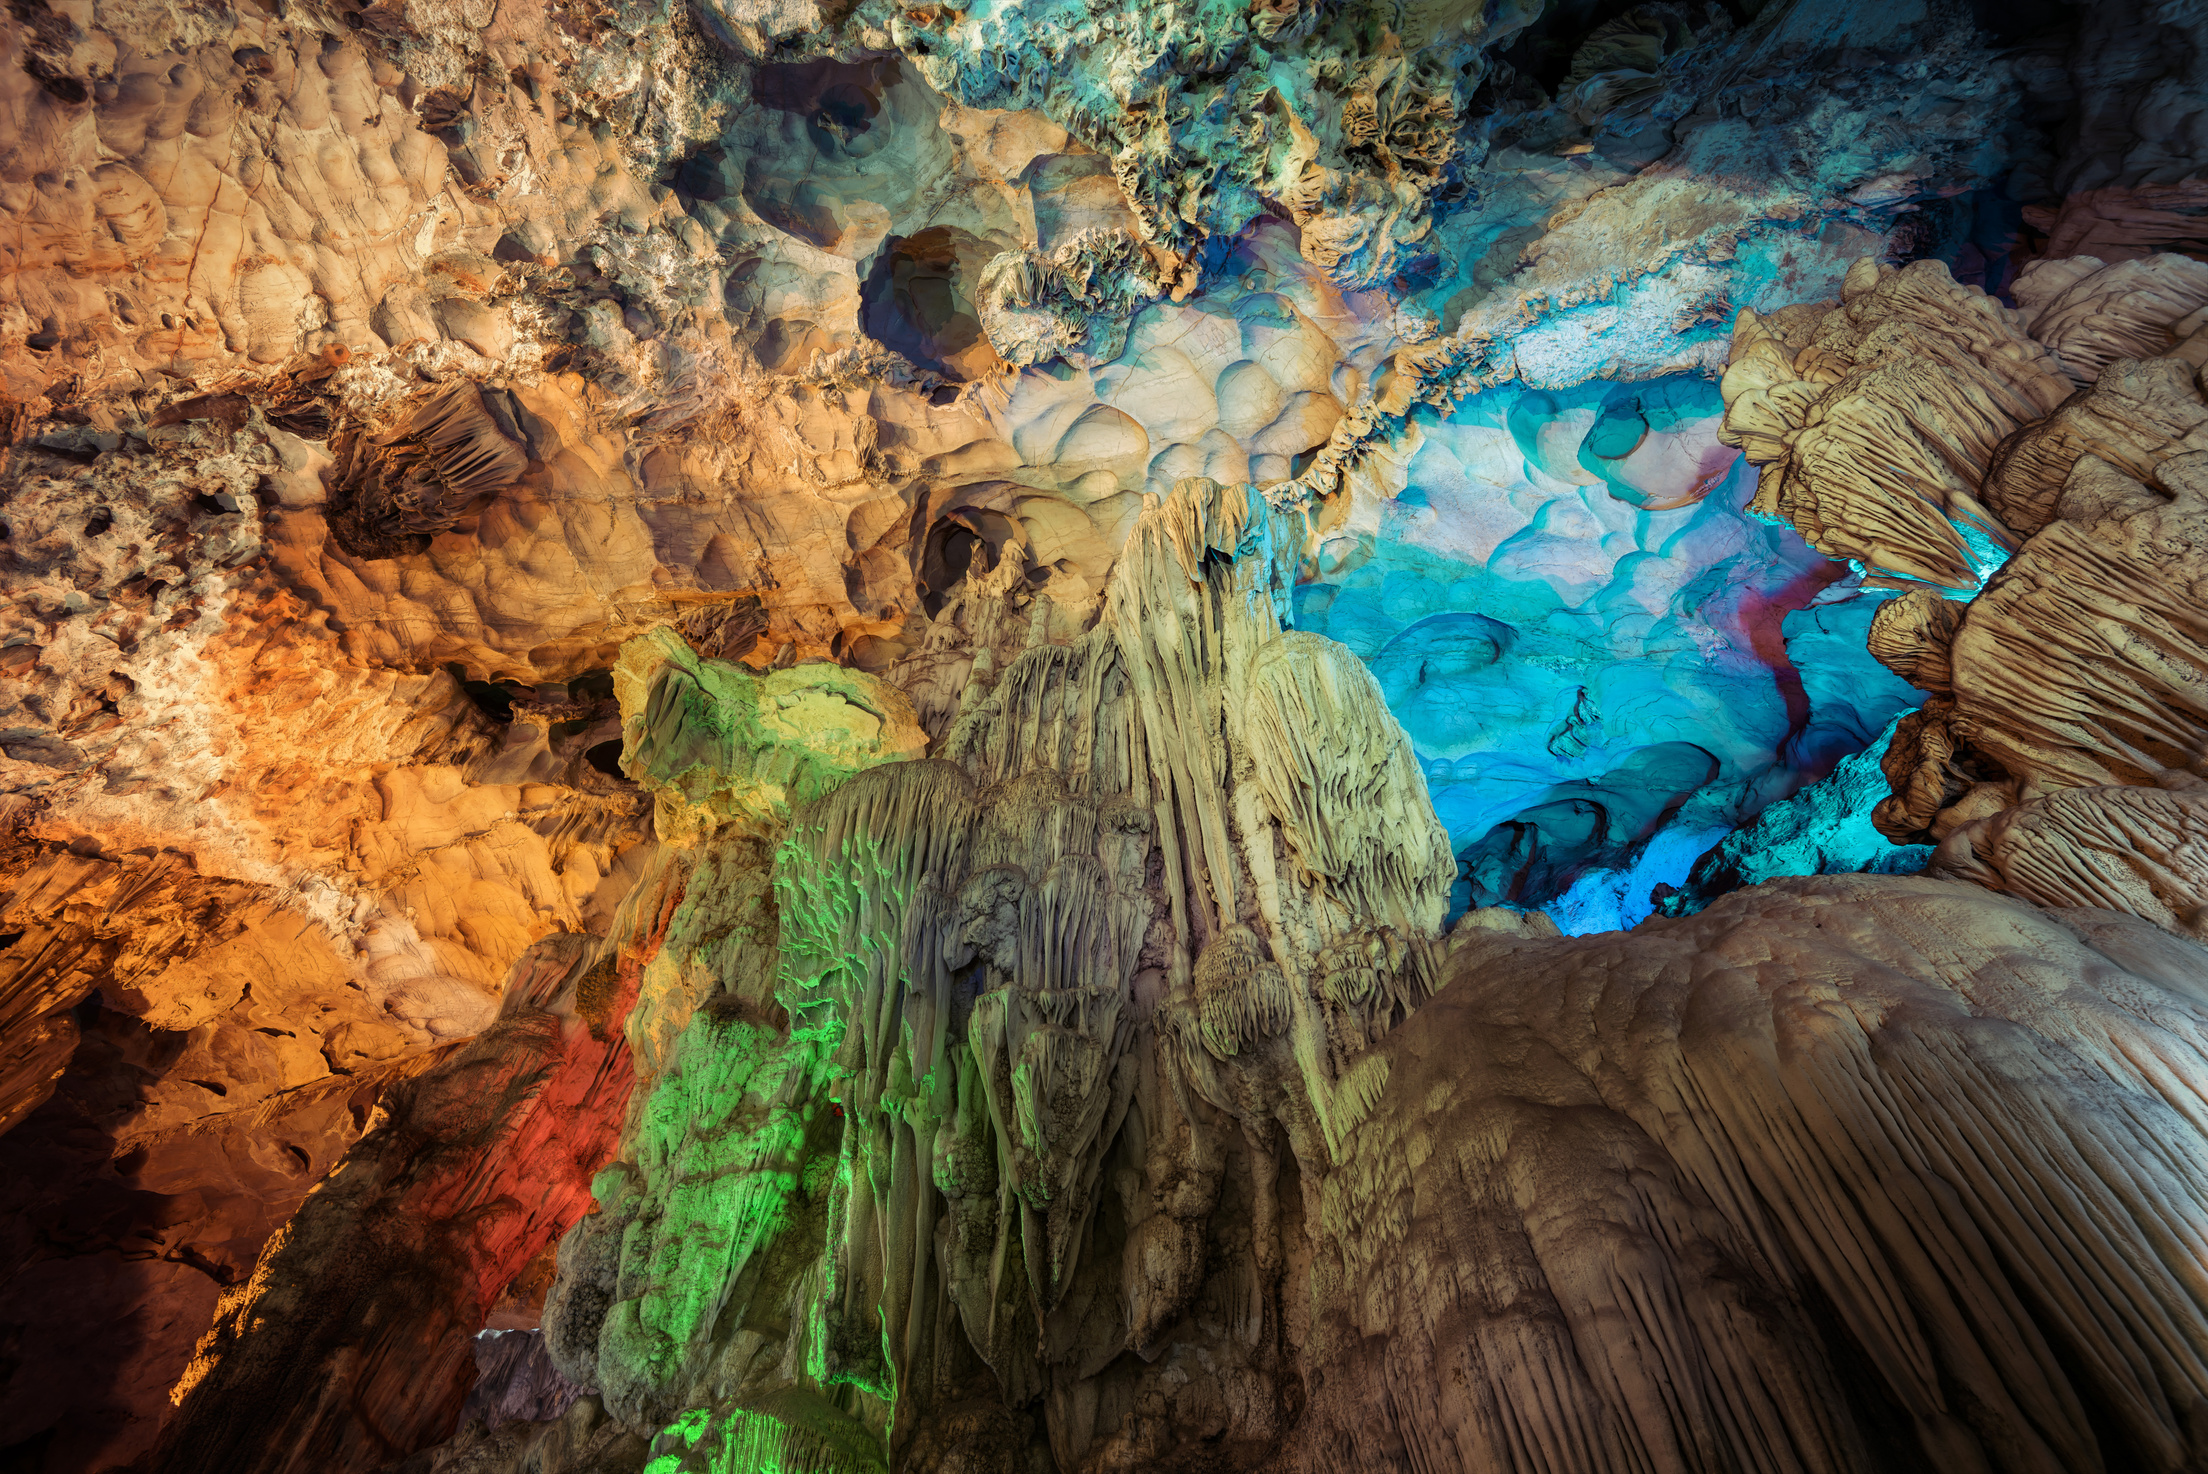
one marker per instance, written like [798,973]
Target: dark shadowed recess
[837,99]
[113,1252]
[918,300]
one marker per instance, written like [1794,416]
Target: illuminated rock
[1590,645]
[1676,1130]
[1824,829]
[2058,755]
[958,593]
[717,745]
[913,897]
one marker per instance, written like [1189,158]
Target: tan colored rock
[1931,770]
[2132,848]
[1912,635]
[2137,413]
[1875,434]
[2091,314]
[1614,1174]
[2071,684]
[2081,665]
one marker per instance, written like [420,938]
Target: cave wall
[857,711]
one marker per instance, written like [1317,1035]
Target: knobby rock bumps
[813,705]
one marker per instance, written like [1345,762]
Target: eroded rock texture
[1179,867]
[1878,1193]
[2058,757]
[877,722]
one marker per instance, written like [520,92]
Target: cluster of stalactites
[1345,787]
[1188,794]
[1868,418]
[1887,425]
[793,1430]
[396,491]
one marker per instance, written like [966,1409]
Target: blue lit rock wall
[1604,663]
[1824,829]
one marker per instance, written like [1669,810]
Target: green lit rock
[718,744]
[962,1150]
[790,1431]
[733,1149]
[698,1275]
[720,940]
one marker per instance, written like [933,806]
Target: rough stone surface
[1749,1189]
[919,734]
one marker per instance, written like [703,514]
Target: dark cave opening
[917,300]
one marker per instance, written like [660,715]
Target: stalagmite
[1940,1117]
[1012,895]
[1394,736]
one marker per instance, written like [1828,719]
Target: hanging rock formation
[2059,756]
[1050,738]
[1178,867]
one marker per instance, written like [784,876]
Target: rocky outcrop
[917,1110]
[1824,829]
[1895,1179]
[351,1344]
[119,1243]
[847,659]
[2059,752]
[489,1156]
[1869,420]
[1264,1244]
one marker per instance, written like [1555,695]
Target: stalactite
[1874,421]
[979,960]
[1240,997]
[398,490]
[1344,789]
[789,1432]
[848,653]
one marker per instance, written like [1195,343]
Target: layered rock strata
[2059,755]
[708,634]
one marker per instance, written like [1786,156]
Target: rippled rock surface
[1044,736]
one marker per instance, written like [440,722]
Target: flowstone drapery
[1037,1000]
[2059,755]
[775,696]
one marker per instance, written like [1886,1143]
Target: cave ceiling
[1057,737]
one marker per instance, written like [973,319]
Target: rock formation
[2058,757]
[1064,737]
